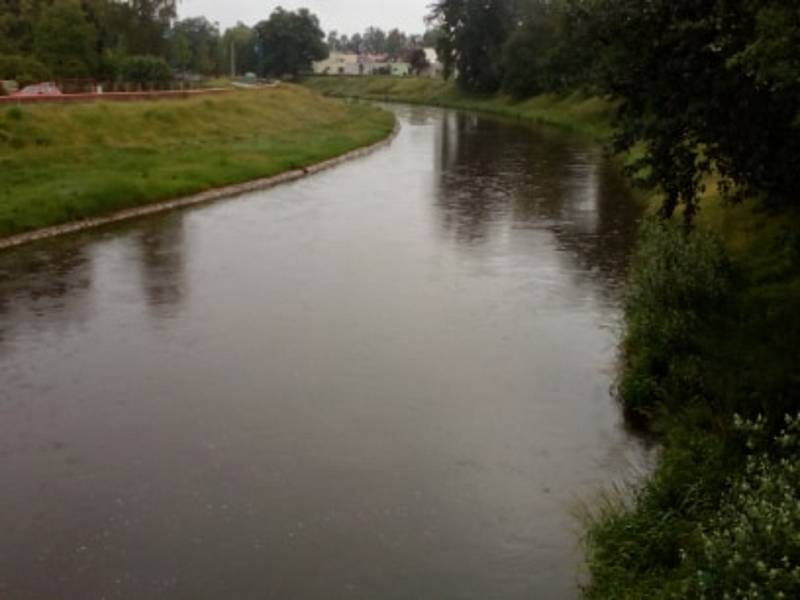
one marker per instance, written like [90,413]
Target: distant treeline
[142,41]
[394,43]
[704,87]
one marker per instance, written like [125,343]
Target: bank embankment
[588,116]
[60,164]
[708,364]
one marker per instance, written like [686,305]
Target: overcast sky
[346,16]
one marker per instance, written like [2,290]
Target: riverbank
[68,163]
[709,363]
[587,116]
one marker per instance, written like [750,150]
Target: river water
[389,380]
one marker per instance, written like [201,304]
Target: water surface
[390,380]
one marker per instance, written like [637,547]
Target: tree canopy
[94,38]
[289,42]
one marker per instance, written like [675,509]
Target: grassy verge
[587,116]
[62,163]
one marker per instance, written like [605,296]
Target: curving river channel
[387,381]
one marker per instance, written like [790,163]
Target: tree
[374,41]
[290,42]
[473,34]
[138,27]
[542,54]
[146,71]
[202,39]
[396,43]
[22,69]
[17,20]
[65,40]
[705,87]
[243,42]
[418,61]
[181,52]
[357,44]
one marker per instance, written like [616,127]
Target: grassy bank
[62,163]
[712,331]
[587,116]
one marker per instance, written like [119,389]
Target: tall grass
[680,283]
[712,331]
[60,163]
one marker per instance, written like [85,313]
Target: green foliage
[22,69]
[637,537]
[146,71]
[472,35]
[710,332]
[720,518]
[65,40]
[196,46]
[242,40]
[680,281]
[535,56]
[135,27]
[709,87]
[751,547]
[290,42]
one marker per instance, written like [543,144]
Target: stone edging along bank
[227,191]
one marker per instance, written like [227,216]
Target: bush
[145,71]
[22,69]
[751,549]
[679,284]
[719,518]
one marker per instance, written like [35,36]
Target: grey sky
[346,16]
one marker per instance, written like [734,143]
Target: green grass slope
[587,116]
[62,163]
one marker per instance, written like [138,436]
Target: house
[338,63]
[435,69]
[361,64]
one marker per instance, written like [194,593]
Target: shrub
[22,69]
[751,549]
[719,518]
[146,71]
[680,281]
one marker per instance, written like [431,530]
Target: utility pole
[233,59]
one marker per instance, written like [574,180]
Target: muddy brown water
[390,380]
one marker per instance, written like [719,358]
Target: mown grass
[588,116]
[61,163]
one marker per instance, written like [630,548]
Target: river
[389,380]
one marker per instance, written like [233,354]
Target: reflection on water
[161,258]
[389,380]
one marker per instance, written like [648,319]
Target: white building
[361,64]
[435,69]
[338,63]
